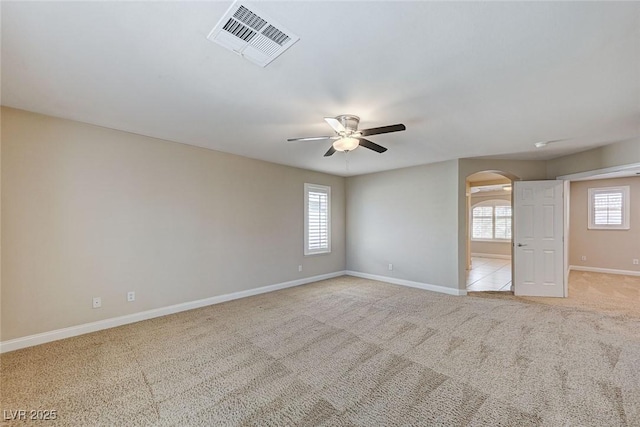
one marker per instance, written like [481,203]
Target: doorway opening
[489,231]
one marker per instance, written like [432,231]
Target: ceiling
[467,79]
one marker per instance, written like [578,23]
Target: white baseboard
[496,256]
[58,334]
[604,270]
[409,283]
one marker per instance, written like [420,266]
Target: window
[317,219]
[491,220]
[609,208]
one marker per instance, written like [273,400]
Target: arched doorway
[489,231]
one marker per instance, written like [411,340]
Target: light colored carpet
[346,351]
[601,293]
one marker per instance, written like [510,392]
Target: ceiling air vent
[252,35]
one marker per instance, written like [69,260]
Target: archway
[489,226]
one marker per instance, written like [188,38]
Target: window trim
[626,208]
[493,203]
[319,189]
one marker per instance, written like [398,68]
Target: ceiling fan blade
[383,129]
[335,124]
[330,152]
[371,145]
[312,138]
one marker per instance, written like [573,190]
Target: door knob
[520,244]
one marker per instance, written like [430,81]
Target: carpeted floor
[601,293]
[346,351]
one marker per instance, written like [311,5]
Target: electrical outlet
[131,296]
[583,257]
[390,267]
[635,261]
[299,268]
[97,302]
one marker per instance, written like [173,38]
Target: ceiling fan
[348,137]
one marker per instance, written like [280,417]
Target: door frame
[513,178]
[620,171]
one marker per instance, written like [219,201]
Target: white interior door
[538,238]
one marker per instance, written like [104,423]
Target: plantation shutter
[317,219]
[607,208]
[503,222]
[483,222]
[491,220]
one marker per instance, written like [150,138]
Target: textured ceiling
[467,79]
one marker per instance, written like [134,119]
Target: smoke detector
[252,34]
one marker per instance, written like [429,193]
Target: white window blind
[483,222]
[502,222]
[609,208]
[317,219]
[491,220]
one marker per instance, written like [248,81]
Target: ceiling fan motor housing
[349,122]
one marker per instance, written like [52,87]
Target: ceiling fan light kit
[348,137]
[346,144]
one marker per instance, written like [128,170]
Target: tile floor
[489,274]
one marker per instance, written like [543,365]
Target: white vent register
[252,35]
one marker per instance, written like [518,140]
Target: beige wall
[403,217]
[503,249]
[618,154]
[390,219]
[89,211]
[612,249]
[490,248]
